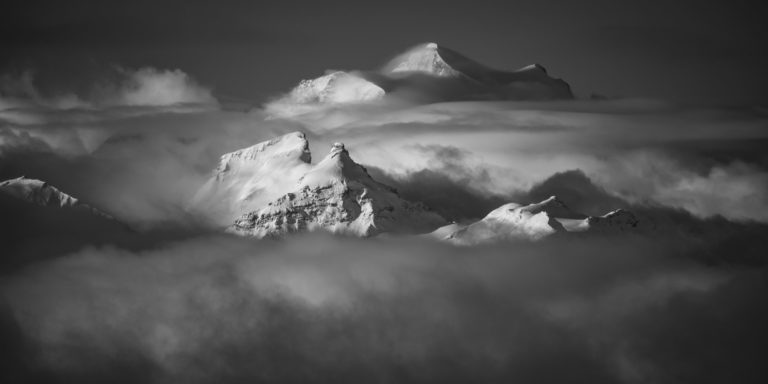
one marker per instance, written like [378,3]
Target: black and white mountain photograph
[384,192]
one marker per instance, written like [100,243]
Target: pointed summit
[335,87]
[424,58]
[329,90]
[339,196]
[336,166]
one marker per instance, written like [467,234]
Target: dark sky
[713,51]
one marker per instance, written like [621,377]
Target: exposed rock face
[339,196]
[533,222]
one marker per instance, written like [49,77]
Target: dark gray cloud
[317,308]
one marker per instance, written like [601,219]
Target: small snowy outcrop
[533,222]
[39,193]
[338,195]
[336,87]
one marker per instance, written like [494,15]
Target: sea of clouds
[174,300]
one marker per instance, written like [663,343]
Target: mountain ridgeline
[426,73]
[272,189]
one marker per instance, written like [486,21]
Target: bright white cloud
[144,87]
[154,87]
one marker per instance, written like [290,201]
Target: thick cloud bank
[318,309]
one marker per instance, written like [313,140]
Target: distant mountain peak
[429,71]
[271,189]
[37,192]
[423,58]
[535,221]
[40,193]
[338,148]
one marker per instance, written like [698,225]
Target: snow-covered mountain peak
[41,194]
[329,90]
[337,195]
[423,58]
[37,192]
[272,189]
[248,178]
[428,72]
[535,221]
[292,147]
[335,87]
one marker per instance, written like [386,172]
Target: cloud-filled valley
[158,292]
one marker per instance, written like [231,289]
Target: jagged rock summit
[533,222]
[339,196]
[429,72]
[272,188]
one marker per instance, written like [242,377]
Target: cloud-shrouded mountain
[339,196]
[245,180]
[534,222]
[39,221]
[427,72]
[39,193]
[334,88]
[272,188]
